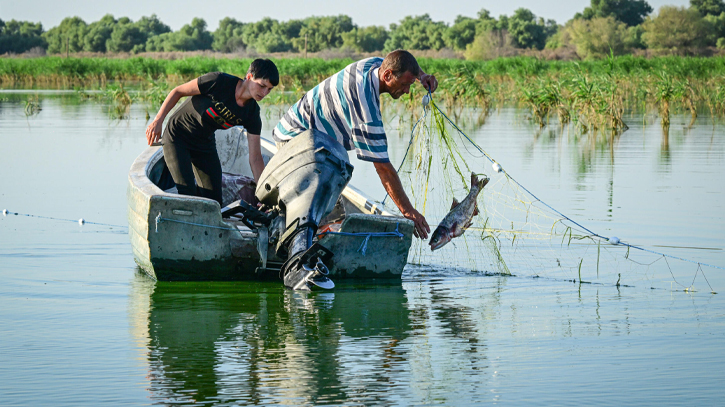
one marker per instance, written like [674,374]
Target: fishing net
[516,232]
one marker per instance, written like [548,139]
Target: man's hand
[429,82]
[153,132]
[421,225]
[391,182]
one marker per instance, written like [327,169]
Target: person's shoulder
[365,64]
[378,60]
[220,76]
[369,64]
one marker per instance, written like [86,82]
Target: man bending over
[346,107]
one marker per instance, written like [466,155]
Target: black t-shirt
[215,108]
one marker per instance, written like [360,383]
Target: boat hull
[184,238]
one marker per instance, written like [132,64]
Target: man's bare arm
[391,182]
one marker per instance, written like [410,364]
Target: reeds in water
[592,94]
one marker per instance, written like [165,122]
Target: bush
[598,37]
[489,45]
[676,30]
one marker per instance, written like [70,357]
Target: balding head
[399,62]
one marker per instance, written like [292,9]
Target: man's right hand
[391,182]
[421,225]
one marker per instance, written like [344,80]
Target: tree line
[605,27]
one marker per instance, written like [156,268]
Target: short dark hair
[399,62]
[264,69]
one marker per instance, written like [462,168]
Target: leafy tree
[322,32]
[500,37]
[630,12]
[151,26]
[488,23]
[125,37]
[228,36]
[595,38]
[271,42]
[68,36]
[529,32]
[708,7]
[268,35]
[365,39]
[98,33]
[191,37]
[418,32]
[634,37]
[20,36]
[461,33]
[676,29]
[201,38]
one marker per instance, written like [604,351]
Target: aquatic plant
[32,106]
[665,91]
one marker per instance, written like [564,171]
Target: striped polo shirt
[345,106]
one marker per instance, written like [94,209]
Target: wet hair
[264,69]
[399,62]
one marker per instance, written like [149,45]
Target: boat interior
[238,181]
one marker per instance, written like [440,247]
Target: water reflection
[259,343]
[665,146]
[361,344]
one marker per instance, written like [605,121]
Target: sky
[176,13]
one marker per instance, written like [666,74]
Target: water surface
[81,326]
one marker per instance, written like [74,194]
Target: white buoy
[81,221]
[5,212]
[426,99]
[614,240]
[497,167]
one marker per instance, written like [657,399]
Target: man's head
[398,71]
[264,69]
[262,76]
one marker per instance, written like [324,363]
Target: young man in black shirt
[218,101]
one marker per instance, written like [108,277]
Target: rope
[80,221]
[364,246]
[160,220]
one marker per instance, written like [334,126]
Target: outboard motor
[304,181]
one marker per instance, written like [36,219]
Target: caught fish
[460,217]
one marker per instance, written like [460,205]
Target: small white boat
[177,237]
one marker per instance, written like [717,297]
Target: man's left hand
[429,82]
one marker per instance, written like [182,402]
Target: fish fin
[455,203]
[475,209]
[474,179]
[467,225]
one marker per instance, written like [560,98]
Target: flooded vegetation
[594,95]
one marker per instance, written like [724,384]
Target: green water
[81,326]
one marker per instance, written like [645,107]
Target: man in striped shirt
[346,106]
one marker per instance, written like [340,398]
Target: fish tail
[480,183]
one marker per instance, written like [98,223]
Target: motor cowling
[304,181]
